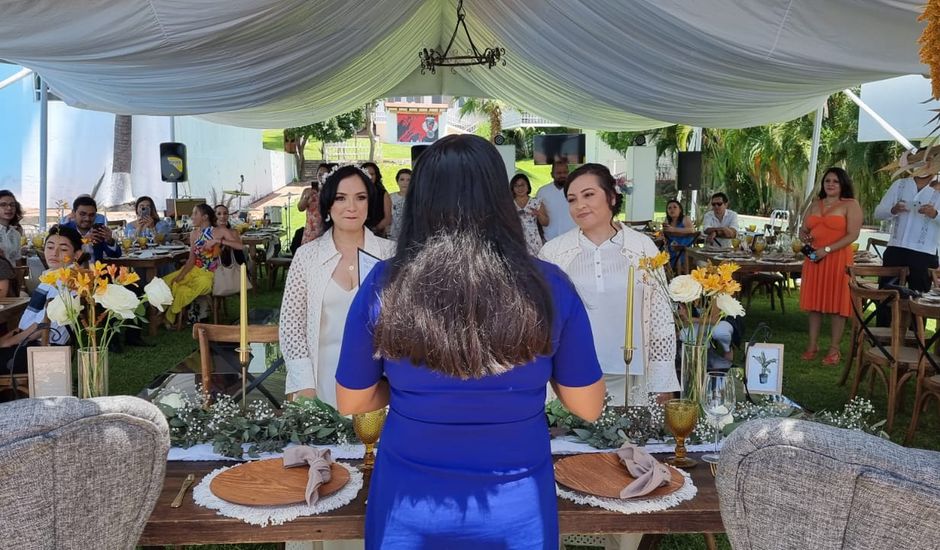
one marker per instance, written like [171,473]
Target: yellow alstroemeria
[127,277]
[101,285]
[50,277]
[727,269]
[100,268]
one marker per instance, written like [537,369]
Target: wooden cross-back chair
[895,362]
[928,367]
[868,277]
[877,246]
[206,334]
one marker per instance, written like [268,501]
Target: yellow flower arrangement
[699,300]
[80,290]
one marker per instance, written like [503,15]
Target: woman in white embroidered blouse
[321,283]
[11,245]
[597,256]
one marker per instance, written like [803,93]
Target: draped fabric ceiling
[597,64]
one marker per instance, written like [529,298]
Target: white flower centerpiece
[96,303]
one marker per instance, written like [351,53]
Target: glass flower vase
[694,367]
[92,372]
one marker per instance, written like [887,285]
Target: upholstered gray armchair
[79,474]
[789,484]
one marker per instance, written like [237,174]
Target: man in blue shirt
[101,243]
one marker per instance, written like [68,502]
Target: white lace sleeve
[662,350]
[293,325]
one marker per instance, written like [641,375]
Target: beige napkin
[319,461]
[648,471]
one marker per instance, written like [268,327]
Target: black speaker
[416,151]
[499,139]
[689,171]
[173,162]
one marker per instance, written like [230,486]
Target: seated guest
[678,230]
[11,249]
[101,244]
[70,217]
[195,278]
[234,246]
[63,247]
[721,224]
[148,218]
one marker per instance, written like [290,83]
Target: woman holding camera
[830,227]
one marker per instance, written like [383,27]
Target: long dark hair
[681,216]
[331,185]
[208,211]
[377,199]
[846,191]
[462,295]
[17,207]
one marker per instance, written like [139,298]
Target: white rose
[172,400]
[118,300]
[158,293]
[57,309]
[685,289]
[729,306]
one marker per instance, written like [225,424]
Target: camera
[145,211]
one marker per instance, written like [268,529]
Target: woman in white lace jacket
[321,283]
[597,256]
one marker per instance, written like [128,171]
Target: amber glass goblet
[681,416]
[368,427]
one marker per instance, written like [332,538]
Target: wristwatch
[827,249]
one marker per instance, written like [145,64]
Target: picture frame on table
[50,371]
[764,368]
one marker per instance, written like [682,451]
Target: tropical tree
[492,108]
[338,128]
[118,190]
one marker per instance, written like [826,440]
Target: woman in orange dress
[831,226]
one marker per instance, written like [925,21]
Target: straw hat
[925,162]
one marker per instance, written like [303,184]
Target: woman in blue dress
[677,230]
[458,334]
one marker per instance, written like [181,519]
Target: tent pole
[13,78]
[43,150]
[176,185]
[814,152]
[881,122]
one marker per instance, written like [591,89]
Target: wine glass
[681,416]
[368,427]
[759,245]
[735,243]
[717,401]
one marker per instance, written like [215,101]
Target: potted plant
[765,363]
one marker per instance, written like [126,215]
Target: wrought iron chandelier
[430,59]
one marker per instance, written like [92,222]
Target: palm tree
[119,190]
[492,108]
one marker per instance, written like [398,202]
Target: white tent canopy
[608,64]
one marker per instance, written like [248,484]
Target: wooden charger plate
[603,475]
[269,483]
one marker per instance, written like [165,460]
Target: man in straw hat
[911,204]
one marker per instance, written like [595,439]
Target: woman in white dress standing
[531,212]
[597,256]
[321,283]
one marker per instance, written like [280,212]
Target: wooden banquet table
[147,269]
[754,265]
[12,308]
[192,524]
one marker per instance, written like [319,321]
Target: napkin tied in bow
[649,472]
[319,461]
